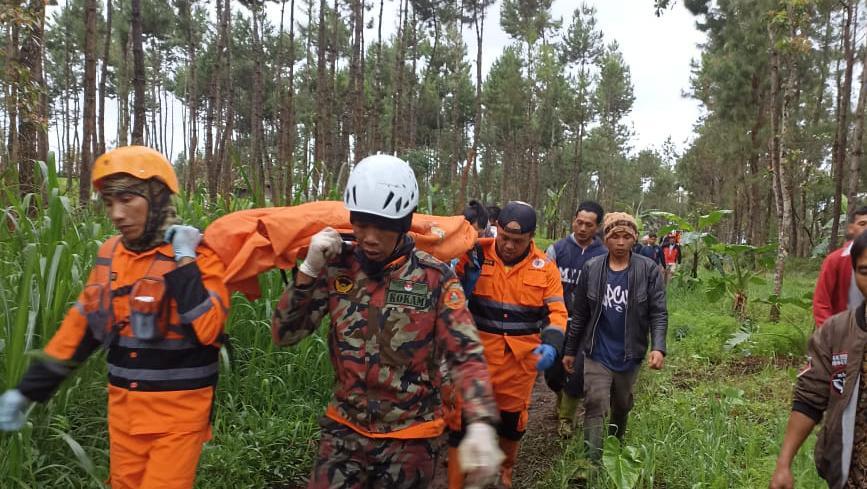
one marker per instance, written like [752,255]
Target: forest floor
[541,446]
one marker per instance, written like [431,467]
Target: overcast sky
[658,51]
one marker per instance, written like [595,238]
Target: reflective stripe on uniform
[553,298]
[194,313]
[166,374]
[164,344]
[507,328]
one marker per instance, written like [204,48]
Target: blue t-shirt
[609,348]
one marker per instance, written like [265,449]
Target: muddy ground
[541,445]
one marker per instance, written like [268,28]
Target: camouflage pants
[348,460]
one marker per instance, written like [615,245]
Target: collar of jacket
[595,243]
[532,253]
[163,249]
[860,320]
[378,270]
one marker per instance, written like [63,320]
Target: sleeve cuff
[42,379]
[554,337]
[807,410]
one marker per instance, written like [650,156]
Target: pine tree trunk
[138,80]
[838,153]
[256,115]
[89,129]
[288,126]
[30,84]
[473,154]
[357,72]
[858,145]
[396,142]
[226,170]
[215,97]
[321,136]
[103,79]
[11,94]
[192,104]
[782,122]
[123,86]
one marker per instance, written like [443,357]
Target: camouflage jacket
[388,339]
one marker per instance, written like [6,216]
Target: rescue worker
[396,314]
[570,254]
[156,302]
[518,307]
[832,389]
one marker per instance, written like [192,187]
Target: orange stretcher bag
[254,241]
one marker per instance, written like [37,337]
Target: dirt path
[541,446]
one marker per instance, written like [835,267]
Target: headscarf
[619,222]
[161,210]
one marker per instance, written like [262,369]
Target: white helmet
[382,185]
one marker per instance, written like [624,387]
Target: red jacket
[832,289]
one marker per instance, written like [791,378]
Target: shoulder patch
[343,284]
[454,297]
[538,263]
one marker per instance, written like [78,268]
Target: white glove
[13,407]
[479,455]
[324,245]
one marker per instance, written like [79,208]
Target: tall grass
[714,417]
[268,399]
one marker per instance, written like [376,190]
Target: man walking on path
[832,389]
[673,255]
[518,307]
[570,254]
[836,290]
[396,314]
[155,300]
[619,302]
[653,251]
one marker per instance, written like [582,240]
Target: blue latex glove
[547,356]
[184,240]
[13,410]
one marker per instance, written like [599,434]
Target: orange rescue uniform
[162,326]
[516,308]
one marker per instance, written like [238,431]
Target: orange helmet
[138,161]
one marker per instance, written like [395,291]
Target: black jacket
[646,310]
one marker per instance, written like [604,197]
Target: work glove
[324,245]
[547,356]
[184,240]
[479,455]
[13,410]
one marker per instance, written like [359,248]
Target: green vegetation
[713,418]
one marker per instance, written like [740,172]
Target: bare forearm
[797,430]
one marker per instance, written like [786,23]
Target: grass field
[712,419]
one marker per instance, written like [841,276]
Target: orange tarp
[254,241]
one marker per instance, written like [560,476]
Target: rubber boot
[617,426]
[593,429]
[510,450]
[456,477]
[558,404]
[568,406]
[566,415]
